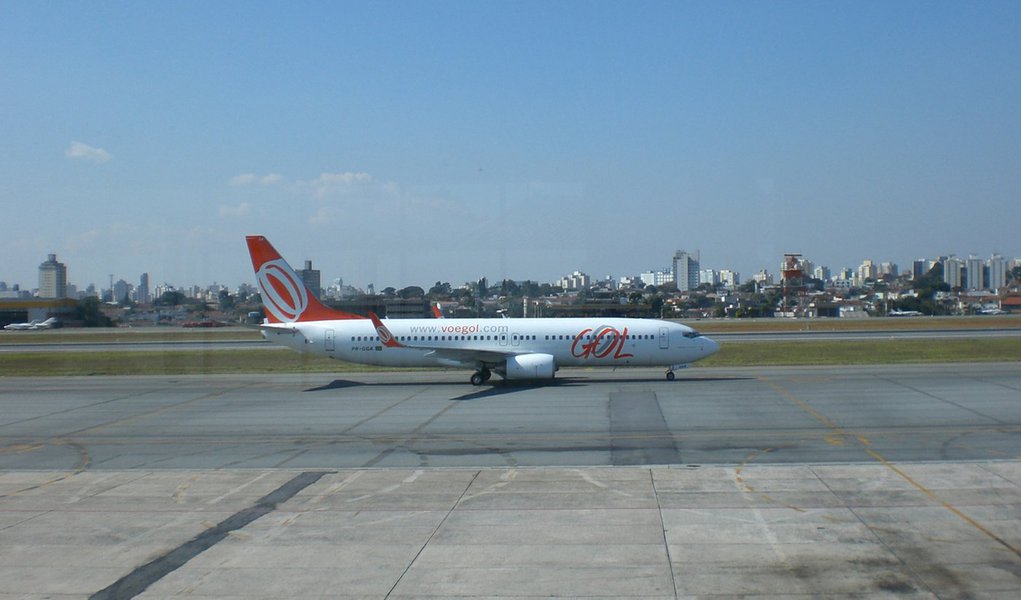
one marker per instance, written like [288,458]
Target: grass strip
[865,352]
[174,362]
[877,324]
[128,335]
[746,354]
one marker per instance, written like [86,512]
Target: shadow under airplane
[501,387]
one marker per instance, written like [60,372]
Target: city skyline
[386,141]
[153,283]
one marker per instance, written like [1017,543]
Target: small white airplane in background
[512,348]
[905,313]
[33,325]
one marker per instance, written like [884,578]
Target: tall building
[52,278]
[686,270]
[763,277]
[975,273]
[867,270]
[142,294]
[656,278]
[730,279]
[312,279]
[919,267]
[953,271]
[997,272]
[121,291]
[888,268]
[575,281]
[709,276]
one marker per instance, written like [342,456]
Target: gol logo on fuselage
[601,344]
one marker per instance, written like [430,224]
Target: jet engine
[531,366]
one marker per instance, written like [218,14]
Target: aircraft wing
[462,356]
[467,356]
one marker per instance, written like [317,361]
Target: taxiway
[415,419]
[794,482]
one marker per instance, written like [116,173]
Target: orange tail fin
[385,336]
[284,295]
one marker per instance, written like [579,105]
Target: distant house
[1011,303]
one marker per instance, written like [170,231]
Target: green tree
[509,288]
[89,314]
[225,301]
[656,306]
[440,290]
[171,298]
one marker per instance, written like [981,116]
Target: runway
[415,419]
[863,482]
[14,342]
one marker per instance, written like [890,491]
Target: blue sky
[401,143]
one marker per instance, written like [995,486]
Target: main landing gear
[670,375]
[481,376]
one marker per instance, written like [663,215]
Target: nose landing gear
[670,371]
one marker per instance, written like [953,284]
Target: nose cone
[709,347]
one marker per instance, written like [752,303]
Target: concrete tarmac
[421,419]
[856,482]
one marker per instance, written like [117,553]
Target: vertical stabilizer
[284,295]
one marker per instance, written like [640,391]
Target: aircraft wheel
[670,375]
[477,378]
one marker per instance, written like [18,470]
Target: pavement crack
[138,580]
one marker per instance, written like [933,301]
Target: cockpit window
[692,334]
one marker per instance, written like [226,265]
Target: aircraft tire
[477,378]
[670,376]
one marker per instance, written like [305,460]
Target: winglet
[384,334]
[284,295]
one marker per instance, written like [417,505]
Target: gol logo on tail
[283,294]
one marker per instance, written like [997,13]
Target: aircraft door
[664,338]
[515,339]
[503,339]
[328,343]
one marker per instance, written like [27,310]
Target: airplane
[514,348]
[33,325]
[904,313]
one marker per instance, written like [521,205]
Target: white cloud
[241,210]
[251,179]
[330,183]
[324,216]
[79,150]
[110,234]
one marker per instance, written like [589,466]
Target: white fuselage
[437,342]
